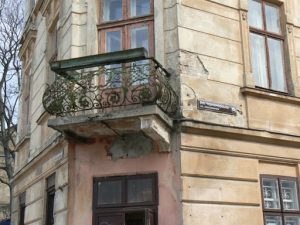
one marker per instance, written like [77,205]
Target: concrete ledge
[268,94]
[254,135]
[113,115]
[150,120]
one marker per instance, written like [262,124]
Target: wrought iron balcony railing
[109,80]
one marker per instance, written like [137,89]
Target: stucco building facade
[189,115]
[4,191]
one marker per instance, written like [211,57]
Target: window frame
[281,211]
[125,207]
[53,40]
[124,197]
[104,41]
[150,26]
[281,37]
[50,190]
[125,24]
[126,12]
[22,208]
[26,98]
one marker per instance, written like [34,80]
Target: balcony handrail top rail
[63,66]
[124,56]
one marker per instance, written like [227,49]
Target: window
[53,41]
[128,200]
[126,24]
[27,83]
[50,200]
[267,45]
[24,126]
[22,200]
[52,47]
[280,200]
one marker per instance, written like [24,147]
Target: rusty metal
[135,82]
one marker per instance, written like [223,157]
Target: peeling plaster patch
[130,146]
[202,64]
[189,97]
[192,65]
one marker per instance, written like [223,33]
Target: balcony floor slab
[150,120]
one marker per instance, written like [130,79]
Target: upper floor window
[126,24]
[280,200]
[128,200]
[52,46]
[267,45]
[53,42]
[24,120]
[27,80]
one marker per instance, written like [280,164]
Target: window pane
[291,220]
[113,41]
[289,195]
[140,72]
[140,69]
[140,37]
[273,220]
[110,192]
[113,73]
[272,18]
[276,64]
[140,7]
[114,219]
[112,10]
[255,14]
[140,190]
[51,181]
[259,62]
[270,193]
[50,208]
[135,218]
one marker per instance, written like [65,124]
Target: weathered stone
[130,146]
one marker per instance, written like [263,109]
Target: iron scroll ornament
[140,82]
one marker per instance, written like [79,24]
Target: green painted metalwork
[135,82]
[63,66]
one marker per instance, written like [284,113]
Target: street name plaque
[216,107]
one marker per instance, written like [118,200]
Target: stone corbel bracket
[155,129]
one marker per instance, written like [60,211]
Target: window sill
[269,94]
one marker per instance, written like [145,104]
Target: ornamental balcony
[114,93]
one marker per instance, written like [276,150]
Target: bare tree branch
[11,20]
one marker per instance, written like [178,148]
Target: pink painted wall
[88,161]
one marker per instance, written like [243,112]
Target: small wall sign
[216,107]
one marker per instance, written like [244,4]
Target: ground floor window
[22,200]
[280,200]
[50,200]
[125,200]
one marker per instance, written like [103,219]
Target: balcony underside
[150,121]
